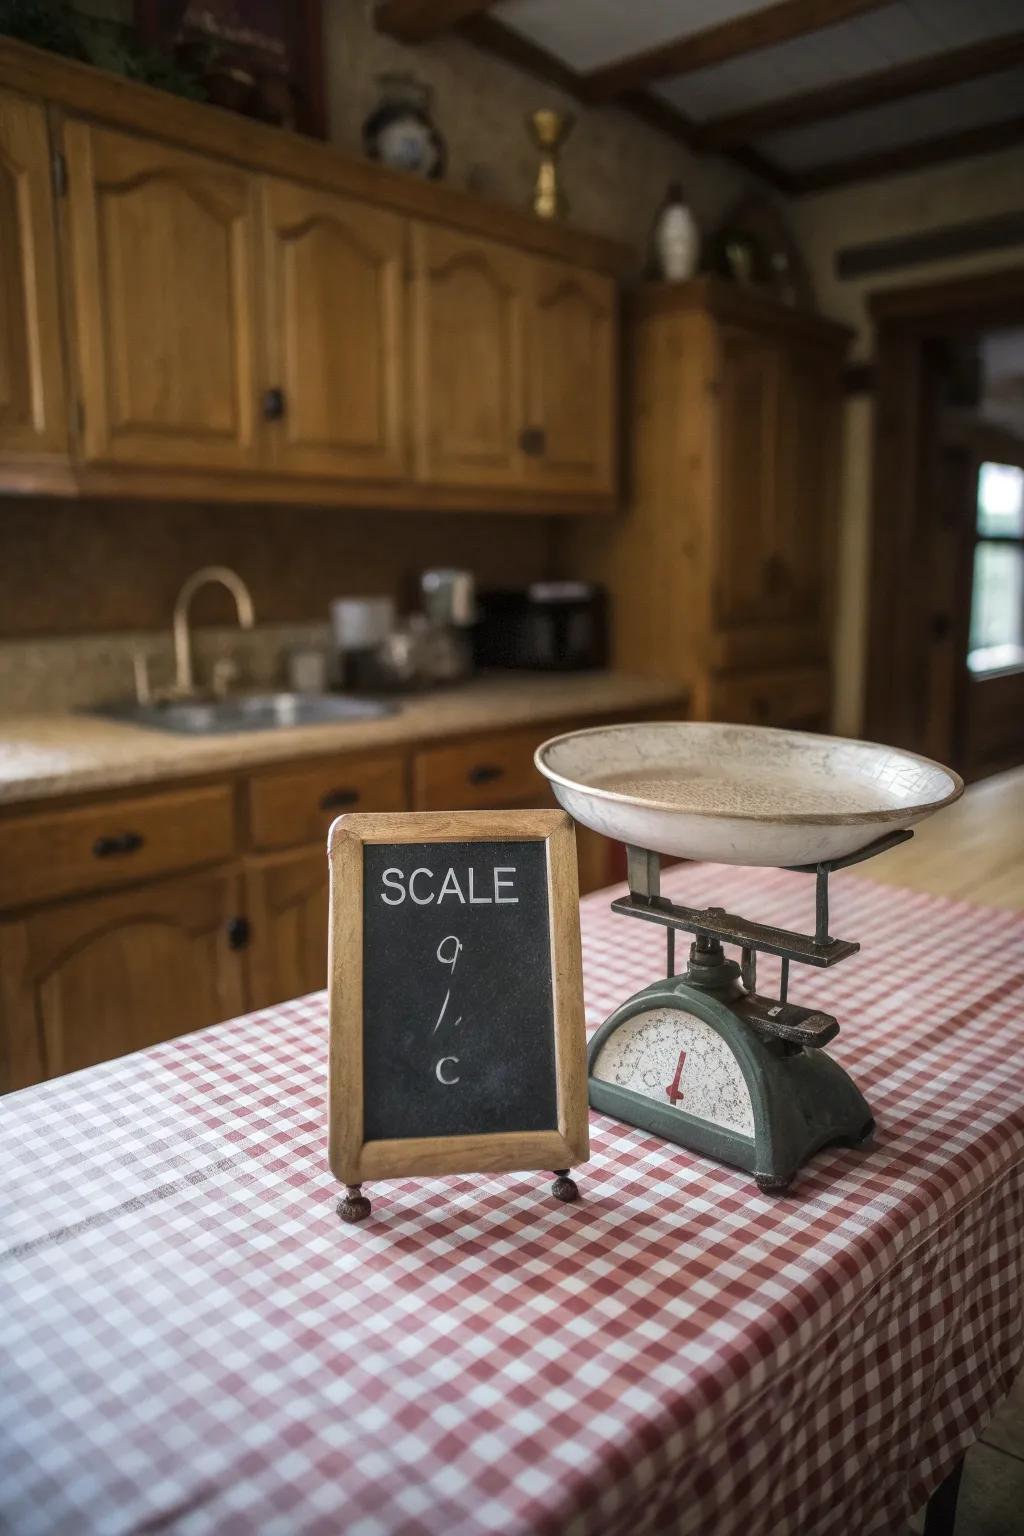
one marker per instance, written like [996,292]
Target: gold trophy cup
[549,130]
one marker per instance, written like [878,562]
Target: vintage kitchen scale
[701,1057]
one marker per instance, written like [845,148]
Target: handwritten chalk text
[486,888]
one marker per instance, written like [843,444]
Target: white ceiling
[898,123]
[589,34]
[895,34]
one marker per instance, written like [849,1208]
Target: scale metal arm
[728,927]
[714,926]
[826,868]
[646,902]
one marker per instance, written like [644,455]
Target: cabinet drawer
[797,698]
[488,771]
[298,806]
[100,846]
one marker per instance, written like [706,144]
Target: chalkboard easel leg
[564,1188]
[355,1206]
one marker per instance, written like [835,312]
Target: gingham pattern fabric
[192,1342]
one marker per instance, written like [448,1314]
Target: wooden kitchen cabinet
[749,547]
[495,769]
[162,254]
[776,463]
[721,568]
[297,804]
[53,853]
[515,361]
[470,298]
[796,698]
[127,919]
[572,348]
[287,903]
[253,317]
[808,460]
[88,980]
[333,281]
[33,418]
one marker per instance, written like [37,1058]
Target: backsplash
[78,567]
[45,676]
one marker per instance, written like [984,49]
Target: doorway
[945,671]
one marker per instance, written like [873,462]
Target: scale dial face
[673,1057]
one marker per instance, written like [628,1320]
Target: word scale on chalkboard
[457,1035]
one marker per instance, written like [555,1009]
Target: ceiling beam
[777,23]
[493,36]
[842,96]
[415,21]
[983,140]
[489,33]
[948,242]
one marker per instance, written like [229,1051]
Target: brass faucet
[183,679]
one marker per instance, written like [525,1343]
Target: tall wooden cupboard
[720,569]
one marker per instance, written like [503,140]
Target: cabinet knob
[115,845]
[336,798]
[273,404]
[533,441]
[239,932]
[485,773]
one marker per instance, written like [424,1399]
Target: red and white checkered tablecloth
[190,1340]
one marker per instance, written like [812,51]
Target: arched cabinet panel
[287,899]
[571,362]
[162,261]
[334,280]
[32,410]
[86,980]
[469,300]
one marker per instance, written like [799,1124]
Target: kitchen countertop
[46,756]
[973,851]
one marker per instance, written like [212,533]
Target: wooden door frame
[898,620]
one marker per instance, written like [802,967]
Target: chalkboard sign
[457,1036]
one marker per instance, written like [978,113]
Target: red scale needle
[673,1090]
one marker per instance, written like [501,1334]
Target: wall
[615,168]
[89,567]
[957,192]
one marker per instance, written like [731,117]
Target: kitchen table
[193,1342]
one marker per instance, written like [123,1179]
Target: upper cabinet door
[162,255]
[749,588]
[469,309]
[334,386]
[809,453]
[571,422]
[776,446]
[32,415]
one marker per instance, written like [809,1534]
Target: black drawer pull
[485,773]
[273,404]
[336,798]
[533,441]
[115,846]
[238,932]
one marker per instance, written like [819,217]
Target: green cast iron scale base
[704,1060]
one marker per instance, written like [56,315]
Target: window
[997,596]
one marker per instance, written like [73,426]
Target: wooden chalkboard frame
[351,1158]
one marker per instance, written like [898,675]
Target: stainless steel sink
[245,712]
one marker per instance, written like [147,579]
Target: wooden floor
[973,852]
